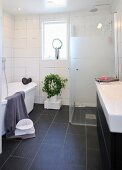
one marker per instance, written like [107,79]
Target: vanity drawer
[105,129]
[104,153]
[107,140]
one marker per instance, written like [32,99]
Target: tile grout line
[84,124]
[15,149]
[21,157]
[21,142]
[76,134]
[65,135]
[39,117]
[62,147]
[43,140]
[93,149]
[10,154]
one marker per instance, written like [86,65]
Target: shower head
[95,8]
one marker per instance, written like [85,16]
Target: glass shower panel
[90,57]
[72,95]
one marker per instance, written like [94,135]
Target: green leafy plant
[53,84]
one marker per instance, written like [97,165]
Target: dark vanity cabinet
[110,143]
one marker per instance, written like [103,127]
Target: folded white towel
[24,124]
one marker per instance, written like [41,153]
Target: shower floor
[84,116]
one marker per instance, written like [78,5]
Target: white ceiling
[38,6]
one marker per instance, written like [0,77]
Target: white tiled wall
[27,55]
[117,5]
[27,59]
[85,24]
[8,34]
[27,50]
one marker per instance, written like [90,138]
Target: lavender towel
[15,111]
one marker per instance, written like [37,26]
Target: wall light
[19,9]
[99,26]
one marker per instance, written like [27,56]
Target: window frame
[43,39]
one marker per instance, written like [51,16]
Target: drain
[90,116]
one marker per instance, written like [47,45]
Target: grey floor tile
[93,160]
[91,122]
[57,146]
[28,148]
[62,115]
[73,156]
[70,167]
[14,163]
[58,128]
[47,155]
[76,129]
[44,166]
[8,147]
[55,139]
[92,138]
[79,115]
[56,134]
[36,112]
[75,142]
[51,112]
[92,131]
[42,125]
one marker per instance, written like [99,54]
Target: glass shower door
[90,57]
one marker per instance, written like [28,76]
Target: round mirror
[57,43]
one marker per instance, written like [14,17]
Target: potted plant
[53,85]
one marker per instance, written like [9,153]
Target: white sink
[110,95]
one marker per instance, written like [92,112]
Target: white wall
[8,35]
[27,60]
[0,71]
[27,54]
[117,7]
[26,51]
[85,24]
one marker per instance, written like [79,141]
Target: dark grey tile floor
[58,145]
[81,116]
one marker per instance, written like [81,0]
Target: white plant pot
[53,98]
[52,103]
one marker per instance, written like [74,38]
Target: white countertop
[110,95]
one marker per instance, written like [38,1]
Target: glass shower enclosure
[90,57]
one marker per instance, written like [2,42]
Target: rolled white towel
[25,129]
[24,124]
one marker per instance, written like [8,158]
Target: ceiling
[38,6]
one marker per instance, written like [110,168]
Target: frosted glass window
[51,31]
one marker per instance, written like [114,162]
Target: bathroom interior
[74,136]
